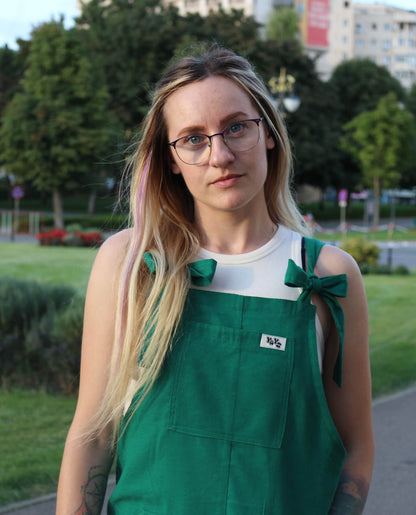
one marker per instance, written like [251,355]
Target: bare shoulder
[112,251]
[333,261]
[116,245]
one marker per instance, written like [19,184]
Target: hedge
[40,335]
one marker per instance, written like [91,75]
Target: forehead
[206,102]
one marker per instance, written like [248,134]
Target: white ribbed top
[261,272]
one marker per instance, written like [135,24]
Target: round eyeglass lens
[239,137]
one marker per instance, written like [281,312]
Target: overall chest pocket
[228,384]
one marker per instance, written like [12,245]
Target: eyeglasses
[240,136]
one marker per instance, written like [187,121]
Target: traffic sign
[342,195]
[17,192]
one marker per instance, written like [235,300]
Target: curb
[25,504]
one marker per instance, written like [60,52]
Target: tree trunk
[376,219]
[91,202]
[58,214]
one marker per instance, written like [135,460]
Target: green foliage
[362,251]
[283,24]
[39,324]
[381,142]
[134,41]
[11,71]
[360,84]
[57,128]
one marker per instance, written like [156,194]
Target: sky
[18,17]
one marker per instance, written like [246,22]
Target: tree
[359,84]
[380,140]
[134,41]
[283,24]
[58,126]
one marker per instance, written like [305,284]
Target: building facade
[387,36]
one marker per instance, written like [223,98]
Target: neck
[230,234]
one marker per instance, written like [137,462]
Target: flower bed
[71,238]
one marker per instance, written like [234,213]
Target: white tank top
[261,273]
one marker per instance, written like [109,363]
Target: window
[345,39]
[374,26]
[373,43]
[386,44]
[401,42]
[387,27]
[359,27]
[345,23]
[360,43]
[386,60]
[346,5]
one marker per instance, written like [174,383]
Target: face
[229,181]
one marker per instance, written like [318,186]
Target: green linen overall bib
[237,422]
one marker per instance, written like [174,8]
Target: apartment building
[387,36]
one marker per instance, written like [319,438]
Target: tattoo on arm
[350,496]
[93,492]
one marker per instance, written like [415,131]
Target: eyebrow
[199,129]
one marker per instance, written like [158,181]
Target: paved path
[393,490]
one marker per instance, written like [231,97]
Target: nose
[220,154]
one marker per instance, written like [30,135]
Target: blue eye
[235,128]
[195,139]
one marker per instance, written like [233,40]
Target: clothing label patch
[273,342]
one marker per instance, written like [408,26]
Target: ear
[270,143]
[175,167]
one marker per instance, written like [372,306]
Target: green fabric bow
[202,272]
[328,288]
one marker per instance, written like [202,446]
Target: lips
[227,180]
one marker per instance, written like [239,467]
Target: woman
[231,341]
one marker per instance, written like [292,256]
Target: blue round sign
[17,192]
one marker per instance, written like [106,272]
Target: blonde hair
[161,207]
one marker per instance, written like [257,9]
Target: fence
[20,222]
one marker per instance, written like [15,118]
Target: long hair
[162,218]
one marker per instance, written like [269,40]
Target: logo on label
[273,342]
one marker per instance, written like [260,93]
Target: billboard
[315,22]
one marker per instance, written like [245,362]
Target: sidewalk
[393,489]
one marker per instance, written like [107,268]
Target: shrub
[383,269]
[40,335]
[364,252]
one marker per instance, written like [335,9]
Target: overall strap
[328,288]
[313,248]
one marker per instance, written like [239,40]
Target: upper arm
[99,325]
[350,405]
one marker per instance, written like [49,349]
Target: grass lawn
[33,425]
[67,265]
[392,331]
[33,428]
[397,235]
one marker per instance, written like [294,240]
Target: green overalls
[237,422]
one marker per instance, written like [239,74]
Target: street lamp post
[282,89]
